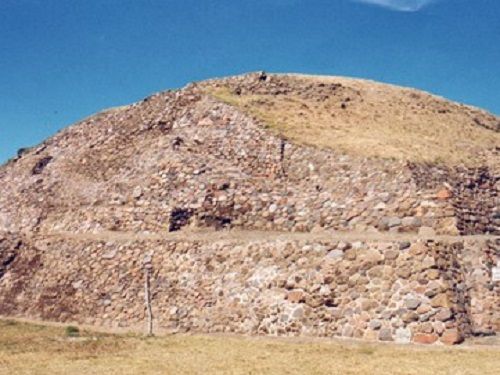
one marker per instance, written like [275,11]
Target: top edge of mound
[364,117]
[355,116]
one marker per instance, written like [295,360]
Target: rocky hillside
[349,208]
[272,152]
[365,118]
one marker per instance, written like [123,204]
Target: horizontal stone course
[268,287]
[136,168]
[81,212]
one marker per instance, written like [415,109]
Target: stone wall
[249,178]
[471,192]
[423,291]
[182,159]
[132,169]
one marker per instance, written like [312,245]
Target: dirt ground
[42,349]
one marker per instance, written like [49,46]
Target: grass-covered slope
[365,118]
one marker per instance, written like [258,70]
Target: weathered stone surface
[391,254]
[79,213]
[412,303]
[137,192]
[418,249]
[296,296]
[375,324]
[441,300]
[335,254]
[403,336]
[451,337]
[444,194]
[410,316]
[411,222]
[432,274]
[443,315]
[425,338]
[271,278]
[404,245]
[385,334]
[423,309]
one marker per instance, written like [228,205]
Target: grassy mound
[365,118]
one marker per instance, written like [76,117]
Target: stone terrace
[362,247]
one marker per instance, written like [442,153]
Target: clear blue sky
[61,60]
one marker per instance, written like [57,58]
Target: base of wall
[421,291]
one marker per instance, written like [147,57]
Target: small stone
[403,336]
[423,309]
[347,331]
[451,337]
[443,315]
[325,290]
[298,312]
[444,194]
[173,310]
[368,304]
[394,222]
[428,262]
[375,324]
[206,121]
[314,301]
[343,246]
[383,224]
[412,303]
[375,272]
[137,192]
[404,272]
[109,255]
[370,257]
[385,334]
[432,274]
[424,338]
[426,328]
[441,300]
[351,254]
[411,222]
[438,327]
[357,245]
[77,284]
[418,248]
[296,296]
[335,254]
[433,288]
[391,254]
[410,316]
[385,197]
[404,245]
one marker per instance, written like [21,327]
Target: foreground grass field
[34,349]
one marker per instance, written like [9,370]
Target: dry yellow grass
[378,120]
[33,349]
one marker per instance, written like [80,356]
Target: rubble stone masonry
[246,231]
[423,291]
